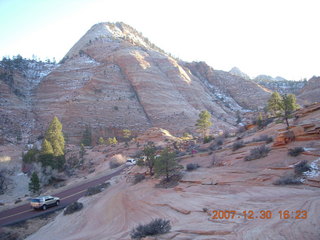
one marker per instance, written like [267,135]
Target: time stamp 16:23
[262,214]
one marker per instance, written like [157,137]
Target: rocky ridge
[114,78]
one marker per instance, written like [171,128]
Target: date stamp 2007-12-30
[260,214]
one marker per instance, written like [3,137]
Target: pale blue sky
[274,37]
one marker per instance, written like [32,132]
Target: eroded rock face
[114,78]
[310,93]
[18,79]
[229,88]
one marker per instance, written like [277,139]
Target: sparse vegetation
[73,207]
[138,178]
[288,180]
[155,227]
[237,145]
[302,167]
[192,166]
[258,152]
[295,151]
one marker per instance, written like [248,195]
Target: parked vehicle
[131,161]
[43,202]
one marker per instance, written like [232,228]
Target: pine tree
[204,122]
[150,152]
[87,137]
[34,184]
[57,150]
[46,147]
[54,135]
[112,141]
[126,134]
[166,164]
[288,106]
[101,141]
[282,105]
[274,103]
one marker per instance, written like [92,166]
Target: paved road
[71,195]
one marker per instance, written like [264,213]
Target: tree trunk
[167,173]
[287,122]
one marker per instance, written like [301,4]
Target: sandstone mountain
[237,72]
[113,78]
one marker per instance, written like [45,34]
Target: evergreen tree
[260,120]
[274,103]
[150,152]
[34,184]
[101,141]
[204,122]
[282,105]
[288,106]
[46,147]
[87,137]
[126,133]
[112,141]
[57,150]
[166,164]
[55,137]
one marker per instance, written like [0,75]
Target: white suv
[131,161]
[44,202]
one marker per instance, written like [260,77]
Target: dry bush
[155,227]
[295,151]
[258,152]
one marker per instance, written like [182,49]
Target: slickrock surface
[230,184]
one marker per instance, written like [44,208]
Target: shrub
[97,189]
[302,167]
[73,207]
[237,145]
[288,180]
[207,139]
[263,138]
[258,152]
[219,141]
[114,164]
[192,166]
[30,156]
[156,226]
[295,151]
[138,178]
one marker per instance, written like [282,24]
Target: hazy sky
[274,37]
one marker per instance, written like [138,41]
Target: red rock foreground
[236,185]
